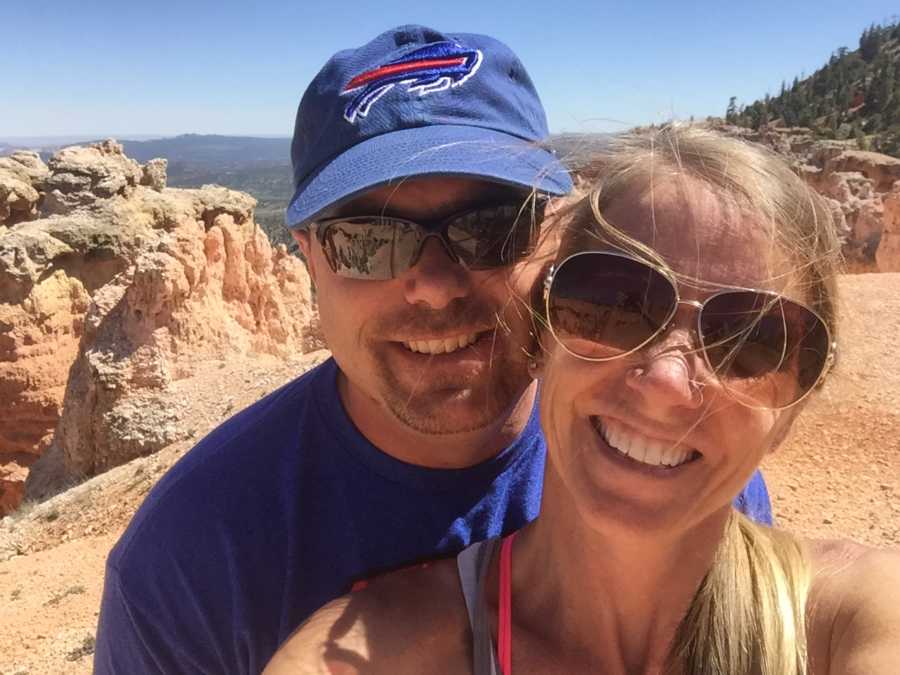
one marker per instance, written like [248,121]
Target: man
[414,159]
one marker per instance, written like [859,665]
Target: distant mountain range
[213,150]
[258,166]
[189,155]
[50,142]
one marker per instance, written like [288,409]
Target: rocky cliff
[111,285]
[862,187]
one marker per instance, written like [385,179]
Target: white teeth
[674,457]
[651,451]
[612,436]
[444,346]
[654,452]
[670,458]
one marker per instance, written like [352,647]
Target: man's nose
[436,279]
[665,380]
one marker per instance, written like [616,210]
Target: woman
[689,312]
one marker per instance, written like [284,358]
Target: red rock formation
[12,481]
[888,254]
[858,184]
[880,169]
[107,300]
[38,345]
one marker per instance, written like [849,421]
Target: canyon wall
[111,284]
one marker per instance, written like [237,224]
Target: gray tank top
[473,564]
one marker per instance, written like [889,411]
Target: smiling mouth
[443,345]
[643,449]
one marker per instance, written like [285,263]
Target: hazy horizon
[66,139]
[39,142]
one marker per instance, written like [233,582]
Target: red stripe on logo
[365,78]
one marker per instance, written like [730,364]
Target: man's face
[440,348]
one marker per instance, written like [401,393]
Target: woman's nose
[665,379]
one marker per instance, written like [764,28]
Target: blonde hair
[755,178]
[748,616]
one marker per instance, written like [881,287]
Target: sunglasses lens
[603,305]
[370,248]
[376,248]
[495,236]
[767,350]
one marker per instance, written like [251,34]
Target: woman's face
[615,428]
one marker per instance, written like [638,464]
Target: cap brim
[444,150]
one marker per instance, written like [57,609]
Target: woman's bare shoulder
[854,609]
[413,620]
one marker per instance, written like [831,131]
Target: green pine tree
[731,113]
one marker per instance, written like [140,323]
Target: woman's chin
[615,488]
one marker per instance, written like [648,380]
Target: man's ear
[305,243]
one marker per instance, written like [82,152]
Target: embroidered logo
[436,67]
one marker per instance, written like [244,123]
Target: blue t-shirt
[277,512]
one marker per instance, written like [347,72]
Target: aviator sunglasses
[384,247]
[768,351]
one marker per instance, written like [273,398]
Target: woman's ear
[536,366]
[537,334]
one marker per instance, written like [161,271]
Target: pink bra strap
[504,618]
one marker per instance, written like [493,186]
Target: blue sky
[104,67]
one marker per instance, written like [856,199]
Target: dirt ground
[837,476]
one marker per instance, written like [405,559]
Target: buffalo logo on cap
[435,67]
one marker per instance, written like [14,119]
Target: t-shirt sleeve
[149,626]
[197,583]
[125,643]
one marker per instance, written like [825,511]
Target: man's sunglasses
[384,247]
[767,351]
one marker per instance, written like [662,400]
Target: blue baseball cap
[417,102]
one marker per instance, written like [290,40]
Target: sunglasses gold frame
[827,364]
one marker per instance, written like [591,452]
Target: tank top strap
[473,564]
[504,611]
